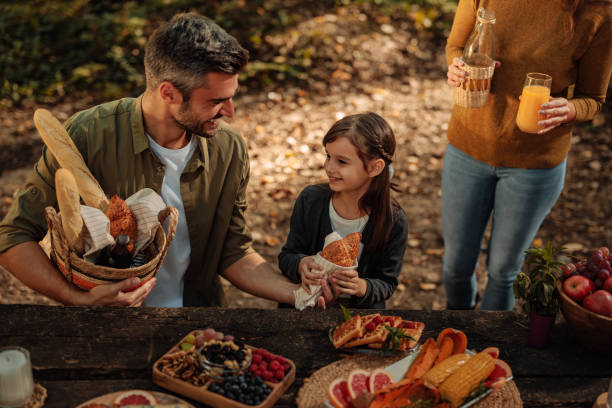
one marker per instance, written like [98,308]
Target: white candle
[16,383]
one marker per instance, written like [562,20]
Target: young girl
[357,199]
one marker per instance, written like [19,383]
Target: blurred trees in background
[52,48]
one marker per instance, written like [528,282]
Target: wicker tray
[313,393]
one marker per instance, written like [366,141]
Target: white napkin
[145,204]
[302,298]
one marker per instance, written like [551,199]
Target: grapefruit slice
[379,379]
[338,393]
[358,381]
[493,351]
[134,397]
[499,375]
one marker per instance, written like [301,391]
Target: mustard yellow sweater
[532,36]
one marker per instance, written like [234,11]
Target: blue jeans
[519,199]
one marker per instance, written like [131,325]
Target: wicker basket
[593,330]
[473,93]
[87,275]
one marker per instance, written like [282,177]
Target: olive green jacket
[112,140]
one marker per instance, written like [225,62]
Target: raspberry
[408,325]
[377,320]
[267,375]
[257,358]
[274,365]
[258,372]
[286,367]
[370,326]
[281,359]
[279,374]
[263,365]
[253,368]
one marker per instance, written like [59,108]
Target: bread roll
[69,205]
[61,145]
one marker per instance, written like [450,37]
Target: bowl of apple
[586,299]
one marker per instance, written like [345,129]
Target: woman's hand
[305,267]
[456,74]
[349,282]
[556,112]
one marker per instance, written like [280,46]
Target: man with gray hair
[169,139]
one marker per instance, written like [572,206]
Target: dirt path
[284,129]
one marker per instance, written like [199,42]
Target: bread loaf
[61,145]
[69,205]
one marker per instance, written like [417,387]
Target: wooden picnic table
[82,352]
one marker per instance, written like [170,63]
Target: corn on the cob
[461,382]
[441,371]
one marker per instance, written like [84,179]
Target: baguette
[61,145]
[69,205]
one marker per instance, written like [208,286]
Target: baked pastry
[343,252]
[347,331]
[122,221]
[409,328]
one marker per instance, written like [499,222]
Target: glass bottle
[479,50]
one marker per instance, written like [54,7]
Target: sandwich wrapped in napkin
[338,254]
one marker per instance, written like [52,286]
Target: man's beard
[191,125]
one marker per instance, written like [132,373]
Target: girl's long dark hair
[374,139]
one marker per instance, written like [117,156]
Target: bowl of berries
[586,299]
[224,358]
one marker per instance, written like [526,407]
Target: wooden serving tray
[213,399]
[161,398]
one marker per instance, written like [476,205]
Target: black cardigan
[310,224]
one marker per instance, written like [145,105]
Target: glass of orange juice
[536,91]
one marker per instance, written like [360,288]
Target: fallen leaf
[271,241]
[427,286]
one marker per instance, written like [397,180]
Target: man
[169,139]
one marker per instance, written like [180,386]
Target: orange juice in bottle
[535,92]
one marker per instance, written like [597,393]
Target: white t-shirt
[344,226]
[168,292]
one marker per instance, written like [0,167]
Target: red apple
[577,287]
[608,284]
[568,270]
[599,302]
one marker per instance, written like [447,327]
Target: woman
[491,166]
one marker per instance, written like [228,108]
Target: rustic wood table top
[82,352]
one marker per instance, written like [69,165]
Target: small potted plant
[536,287]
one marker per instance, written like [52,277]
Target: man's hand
[305,267]
[330,294]
[113,294]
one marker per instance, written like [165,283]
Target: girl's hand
[556,112]
[456,74]
[308,277]
[349,282]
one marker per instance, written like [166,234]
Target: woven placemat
[313,393]
[37,400]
